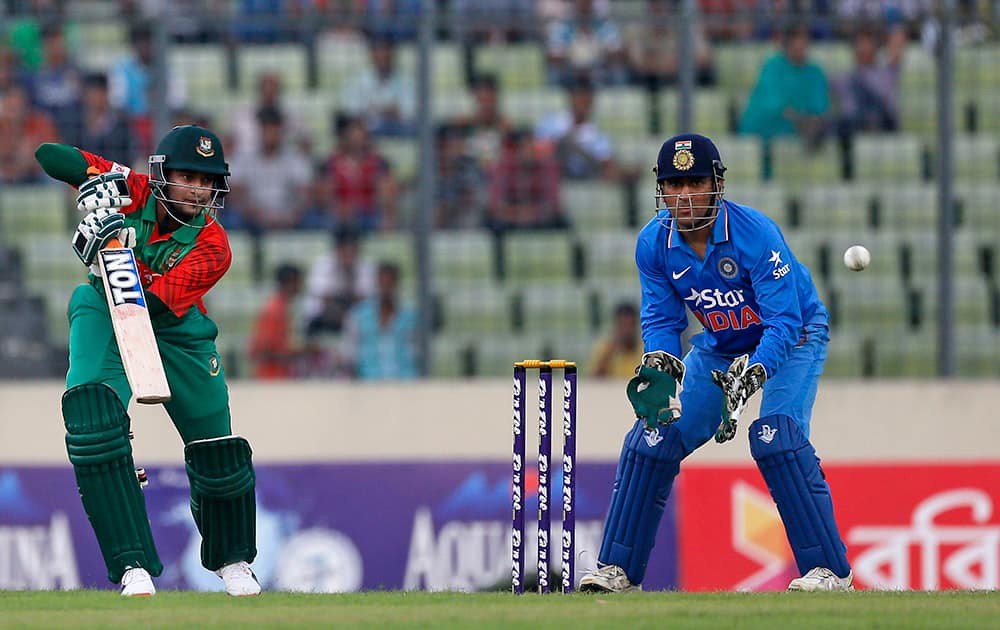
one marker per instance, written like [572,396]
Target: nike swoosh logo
[677,274]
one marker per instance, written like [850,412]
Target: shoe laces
[822,573]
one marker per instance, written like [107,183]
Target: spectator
[22,130]
[524,186]
[791,94]
[133,88]
[102,130]
[868,95]
[337,281]
[476,22]
[55,88]
[654,53]
[617,355]
[487,125]
[358,187]
[272,347]
[654,46]
[398,20]
[460,181]
[585,43]
[8,68]
[582,150]
[270,187]
[382,331]
[729,20]
[245,128]
[381,94]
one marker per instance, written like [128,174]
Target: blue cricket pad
[789,465]
[649,462]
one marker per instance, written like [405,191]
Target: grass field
[103,609]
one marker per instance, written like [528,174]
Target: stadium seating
[30,210]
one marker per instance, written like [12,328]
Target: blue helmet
[689,155]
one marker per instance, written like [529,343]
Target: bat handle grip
[113,244]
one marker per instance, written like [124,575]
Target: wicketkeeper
[765,329]
[169,219]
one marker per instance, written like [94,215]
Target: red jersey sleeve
[138,183]
[185,285]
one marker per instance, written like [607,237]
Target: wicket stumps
[544,481]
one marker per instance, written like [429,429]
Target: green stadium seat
[403,156]
[979,209]
[235,309]
[476,309]
[300,248]
[340,57]
[447,66]
[893,158]
[448,355]
[518,66]
[926,258]
[610,256]
[286,60]
[495,354]
[971,302]
[906,354]
[836,206]
[798,167]
[247,267]
[844,356]
[537,256]
[315,110]
[30,210]
[462,257]
[591,206]
[835,57]
[203,67]
[771,199]
[622,112]
[527,107]
[50,264]
[976,158]
[743,158]
[394,247]
[640,153]
[452,103]
[910,209]
[976,351]
[103,43]
[738,65]
[553,307]
[871,304]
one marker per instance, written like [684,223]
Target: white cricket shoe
[609,578]
[239,579]
[136,582]
[822,579]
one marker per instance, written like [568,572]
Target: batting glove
[96,230]
[107,190]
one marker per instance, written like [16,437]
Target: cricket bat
[132,326]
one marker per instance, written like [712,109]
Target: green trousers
[199,403]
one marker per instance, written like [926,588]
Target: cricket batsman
[169,219]
[764,329]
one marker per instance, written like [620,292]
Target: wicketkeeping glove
[656,388]
[739,382]
[107,190]
[96,230]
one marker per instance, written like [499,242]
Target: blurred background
[482,168]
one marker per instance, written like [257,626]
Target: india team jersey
[750,293]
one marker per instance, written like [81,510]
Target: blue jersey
[750,293]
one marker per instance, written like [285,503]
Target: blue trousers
[792,391]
